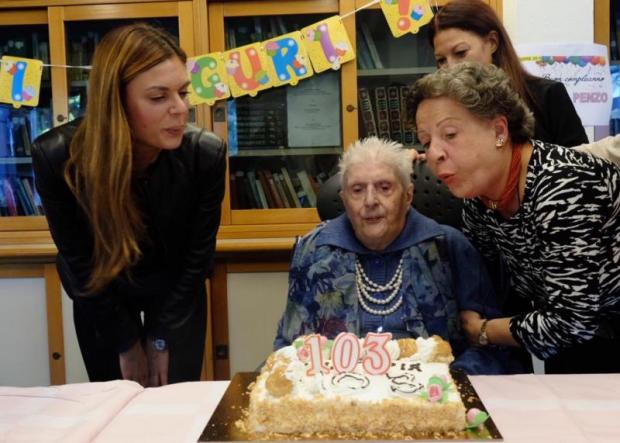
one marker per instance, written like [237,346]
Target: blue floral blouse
[442,274]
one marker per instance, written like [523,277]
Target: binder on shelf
[368,117]
[393,97]
[372,49]
[381,107]
[408,134]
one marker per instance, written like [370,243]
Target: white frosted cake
[300,393]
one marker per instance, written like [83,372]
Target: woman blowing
[132,197]
[553,214]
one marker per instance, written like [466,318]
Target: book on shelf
[280,187]
[393,98]
[9,196]
[363,54]
[260,192]
[256,200]
[304,180]
[290,194]
[370,42]
[4,206]
[408,132]
[234,191]
[251,195]
[36,210]
[304,201]
[277,198]
[264,183]
[281,26]
[381,108]
[289,184]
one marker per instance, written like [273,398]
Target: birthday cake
[356,388]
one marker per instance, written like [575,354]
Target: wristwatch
[159,344]
[483,338]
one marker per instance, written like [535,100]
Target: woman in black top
[469,30]
[132,196]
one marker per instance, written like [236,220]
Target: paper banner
[406,16]
[247,69]
[289,59]
[584,70]
[20,81]
[328,44]
[208,79]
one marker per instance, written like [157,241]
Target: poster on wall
[584,70]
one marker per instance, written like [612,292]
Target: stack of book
[267,188]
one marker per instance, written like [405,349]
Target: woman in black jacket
[132,196]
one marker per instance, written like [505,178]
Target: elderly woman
[551,213]
[384,266]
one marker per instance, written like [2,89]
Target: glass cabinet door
[81,39]
[286,140]
[387,68]
[20,126]
[76,31]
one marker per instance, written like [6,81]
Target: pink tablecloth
[553,408]
[525,408]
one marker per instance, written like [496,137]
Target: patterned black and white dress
[562,247]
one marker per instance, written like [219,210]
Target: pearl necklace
[365,286]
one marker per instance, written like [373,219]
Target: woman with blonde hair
[132,196]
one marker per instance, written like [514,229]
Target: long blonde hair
[99,168]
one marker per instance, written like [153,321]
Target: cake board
[222,425]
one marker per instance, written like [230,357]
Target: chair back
[431,198]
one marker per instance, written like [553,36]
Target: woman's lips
[446,178]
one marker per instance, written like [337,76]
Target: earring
[499,143]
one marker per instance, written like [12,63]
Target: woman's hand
[472,322]
[158,365]
[133,364]
[417,156]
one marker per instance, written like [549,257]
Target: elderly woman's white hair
[387,152]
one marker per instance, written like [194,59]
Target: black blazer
[180,195]
[557,120]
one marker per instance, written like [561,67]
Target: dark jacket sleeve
[71,233]
[197,262]
[557,120]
